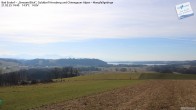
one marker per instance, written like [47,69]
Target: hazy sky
[127,30]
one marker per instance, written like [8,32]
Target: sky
[127,30]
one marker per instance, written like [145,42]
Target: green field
[25,97]
[31,96]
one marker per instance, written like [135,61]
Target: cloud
[123,19]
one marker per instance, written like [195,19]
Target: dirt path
[151,95]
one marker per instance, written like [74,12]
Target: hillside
[97,91]
[11,65]
[54,62]
[26,97]
[8,66]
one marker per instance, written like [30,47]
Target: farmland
[25,97]
[105,91]
[151,95]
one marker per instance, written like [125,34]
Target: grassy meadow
[31,96]
[26,97]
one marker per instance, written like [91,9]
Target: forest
[37,75]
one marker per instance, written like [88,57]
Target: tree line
[174,68]
[36,75]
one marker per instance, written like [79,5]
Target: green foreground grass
[26,97]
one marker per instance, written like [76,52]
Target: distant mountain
[56,62]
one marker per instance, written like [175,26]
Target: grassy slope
[24,97]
